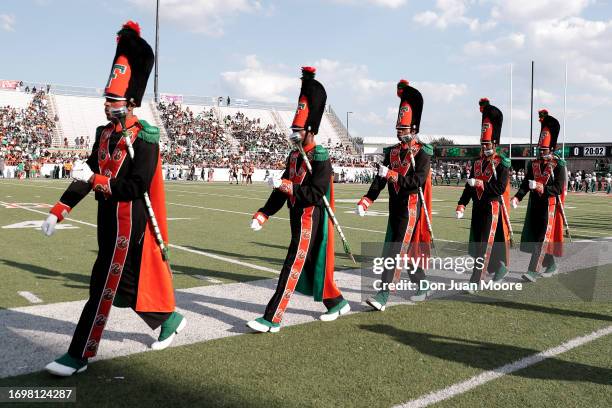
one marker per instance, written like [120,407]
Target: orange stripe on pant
[122,244]
[298,263]
[412,216]
[495,206]
[550,222]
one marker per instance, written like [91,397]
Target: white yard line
[182,248]
[30,297]
[278,218]
[487,376]
[225,259]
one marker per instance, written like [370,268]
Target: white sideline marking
[207,278]
[208,254]
[223,258]
[30,297]
[487,376]
[286,219]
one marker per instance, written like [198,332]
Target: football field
[457,353]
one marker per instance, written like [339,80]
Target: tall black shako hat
[492,120]
[550,130]
[410,108]
[131,67]
[311,103]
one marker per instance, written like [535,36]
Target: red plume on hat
[308,72]
[131,66]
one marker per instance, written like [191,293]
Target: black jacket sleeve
[524,188]
[379,183]
[555,185]
[277,198]
[310,193]
[142,170]
[77,190]
[466,196]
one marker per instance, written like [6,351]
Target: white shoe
[160,345]
[330,317]
[376,305]
[262,328]
[61,370]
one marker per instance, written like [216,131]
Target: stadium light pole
[511,132]
[531,116]
[155,85]
[564,111]
[347,132]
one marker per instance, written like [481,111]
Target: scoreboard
[589,151]
[575,151]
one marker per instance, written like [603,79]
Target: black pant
[127,289]
[399,221]
[306,225]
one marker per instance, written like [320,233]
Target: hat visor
[114,97]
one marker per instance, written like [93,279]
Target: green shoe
[66,365]
[500,274]
[169,329]
[333,313]
[379,300]
[264,326]
[550,271]
[530,276]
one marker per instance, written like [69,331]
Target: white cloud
[532,10]
[545,97]
[201,16]
[7,22]
[451,12]
[504,44]
[440,92]
[261,83]
[573,34]
[382,3]
[371,118]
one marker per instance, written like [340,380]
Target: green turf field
[366,359]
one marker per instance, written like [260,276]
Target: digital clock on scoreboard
[590,151]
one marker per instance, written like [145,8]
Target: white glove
[360,211]
[274,182]
[255,225]
[48,227]
[382,171]
[532,184]
[81,171]
[460,210]
[514,202]
[471,182]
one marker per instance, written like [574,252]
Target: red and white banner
[8,84]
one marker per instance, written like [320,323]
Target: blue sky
[454,51]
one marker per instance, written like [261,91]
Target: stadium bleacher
[209,132]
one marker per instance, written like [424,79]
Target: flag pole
[564,111]
[511,130]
